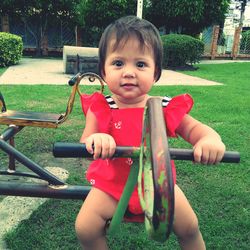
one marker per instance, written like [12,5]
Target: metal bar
[10,132]
[43,173]
[19,173]
[73,150]
[12,163]
[44,191]
[187,154]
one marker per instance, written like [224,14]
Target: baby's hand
[104,145]
[209,150]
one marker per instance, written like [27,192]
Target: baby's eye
[118,63]
[140,64]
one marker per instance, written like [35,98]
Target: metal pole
[74,150]
[43,173]
[44,191]
[139,8]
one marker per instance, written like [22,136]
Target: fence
[220,44]
[59,34]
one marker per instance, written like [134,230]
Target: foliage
[186,17]
[40,12]
[181,49]
[40,8]
[241,5]
[96,15]
[11,48]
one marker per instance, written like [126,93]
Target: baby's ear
[156,75]
[103,73]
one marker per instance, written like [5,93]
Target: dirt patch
[14,209]
[72,165]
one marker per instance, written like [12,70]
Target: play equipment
[152,159]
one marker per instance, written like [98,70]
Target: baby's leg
[97,208]
[186,223]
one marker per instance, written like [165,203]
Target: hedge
[11,48]
[181,49]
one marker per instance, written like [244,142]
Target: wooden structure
[215,36]
[80,59]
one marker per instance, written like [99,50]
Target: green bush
[11,48]
[180,50]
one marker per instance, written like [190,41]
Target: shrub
[181,49]
[11,47]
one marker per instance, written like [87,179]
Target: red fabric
[175,111]
[125,125]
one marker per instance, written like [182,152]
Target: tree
[96,15]
[241,5]
[185,16]
[40,12]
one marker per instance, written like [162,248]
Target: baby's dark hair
[125,27]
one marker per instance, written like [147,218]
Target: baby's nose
[128,72]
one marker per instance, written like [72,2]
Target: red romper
[125,125]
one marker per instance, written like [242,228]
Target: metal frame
[55,188]
[159,223]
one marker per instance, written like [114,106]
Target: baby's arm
[207,144]
[104,144]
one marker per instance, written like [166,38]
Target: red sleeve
[175,111]
[98,105]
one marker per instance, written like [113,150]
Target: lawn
[218,194]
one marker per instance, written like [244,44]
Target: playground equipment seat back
[35,119]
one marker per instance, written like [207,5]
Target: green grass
[219,195]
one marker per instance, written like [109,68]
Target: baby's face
[129,71]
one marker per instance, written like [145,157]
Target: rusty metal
[44,190]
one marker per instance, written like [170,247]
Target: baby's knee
[189,230]
[84,232]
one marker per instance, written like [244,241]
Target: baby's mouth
[128,86]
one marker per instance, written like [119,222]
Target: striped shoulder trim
[165,101]
[113,105]
[111,102]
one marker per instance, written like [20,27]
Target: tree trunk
[44,45]
[5,23]
[78,32]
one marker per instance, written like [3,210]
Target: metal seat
[35,119]
[44,119]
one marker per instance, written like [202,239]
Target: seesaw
[152,158]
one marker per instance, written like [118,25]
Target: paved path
[50,71]
[14,209]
